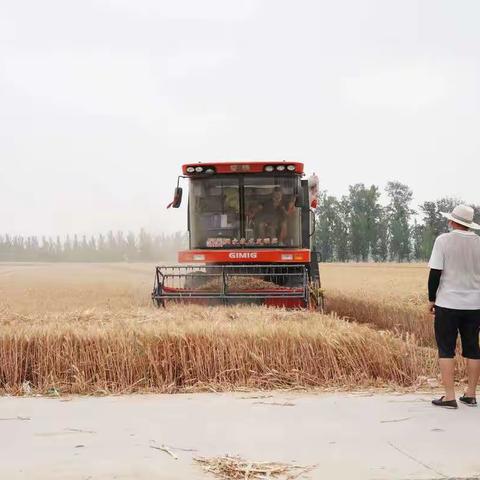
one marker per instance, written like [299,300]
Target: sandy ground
[357,436]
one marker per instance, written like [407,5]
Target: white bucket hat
[462,214]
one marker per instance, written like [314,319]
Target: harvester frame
[250,236]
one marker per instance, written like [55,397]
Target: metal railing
[230,282]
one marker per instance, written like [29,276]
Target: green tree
[131,247]
[325,218]
[364,213]
[380,249]
[434,224]
[145,246]
[399,214]
[418,234]
[340,229]
[476,217]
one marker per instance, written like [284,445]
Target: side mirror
[177,198]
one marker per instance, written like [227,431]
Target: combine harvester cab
[250,234]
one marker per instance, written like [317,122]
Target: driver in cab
[272,218]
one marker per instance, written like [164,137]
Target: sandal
[470,401]
[445,403]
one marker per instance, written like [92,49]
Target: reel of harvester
[272,285]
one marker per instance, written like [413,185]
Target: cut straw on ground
[237,468]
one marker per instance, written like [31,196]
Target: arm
[436,265]
[433,283]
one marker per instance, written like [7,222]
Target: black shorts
[449,323]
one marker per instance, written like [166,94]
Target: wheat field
[90,328]
[386,296]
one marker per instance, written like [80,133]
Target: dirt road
[346,435]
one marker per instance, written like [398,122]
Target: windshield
[244,212]
[214,210]
[270,212]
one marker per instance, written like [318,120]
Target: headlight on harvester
[291,168]
[199,169]
[269,168]
[280,168]
[190,169]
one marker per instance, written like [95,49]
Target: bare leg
[473,369]
[447,369]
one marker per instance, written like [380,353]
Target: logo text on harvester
[242,255]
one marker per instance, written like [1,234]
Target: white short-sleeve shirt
[457,254]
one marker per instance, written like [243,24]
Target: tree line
[112,247]
[353,227]
[358,227]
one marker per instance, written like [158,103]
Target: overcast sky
[102,101]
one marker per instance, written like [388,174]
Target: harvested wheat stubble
[236,468]
[398,316]
[388,296]
[238,283]
[193,348]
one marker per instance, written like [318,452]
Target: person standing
[454,295]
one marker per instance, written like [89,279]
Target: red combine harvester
[250,230]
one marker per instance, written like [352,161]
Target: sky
[101,101]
